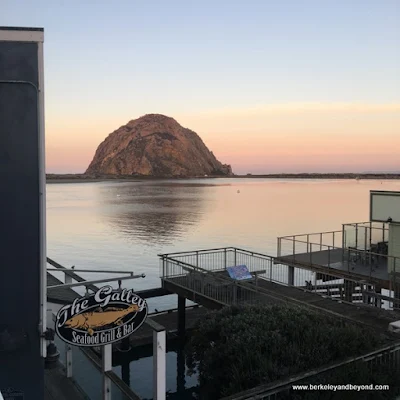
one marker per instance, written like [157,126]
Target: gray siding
[21,367]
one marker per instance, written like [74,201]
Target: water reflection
[153,213]
[135,369]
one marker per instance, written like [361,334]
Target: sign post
[101,319]
[106,366]
[104,317]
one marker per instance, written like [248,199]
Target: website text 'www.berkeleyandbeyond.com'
[335,388]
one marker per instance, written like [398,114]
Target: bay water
[124,225]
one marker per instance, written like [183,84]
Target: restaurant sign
[104,317]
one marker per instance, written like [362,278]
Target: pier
[201,276]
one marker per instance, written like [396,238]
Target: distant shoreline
[81,178]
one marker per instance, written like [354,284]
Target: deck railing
[363,235]
[220,258]
[387,358]
[208,280]
[362,262]
[186,266]
[303,242]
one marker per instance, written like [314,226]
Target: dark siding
[21,368]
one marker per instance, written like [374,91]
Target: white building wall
[394,247]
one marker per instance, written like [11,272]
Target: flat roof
[19,34]
[17,28]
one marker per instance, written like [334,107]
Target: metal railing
[387,357]
[193,270]
[219,259]
[208,280]
[343,259]
[321,239]
[363,235]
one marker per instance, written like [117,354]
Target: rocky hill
[155,145]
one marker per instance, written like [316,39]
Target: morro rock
[155,145]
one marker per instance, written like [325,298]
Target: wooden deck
[59,295]
[58,387]
[169,320]
[331,262]
[271,293]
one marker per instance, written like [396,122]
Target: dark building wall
[21,365]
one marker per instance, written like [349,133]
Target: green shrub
[237,348]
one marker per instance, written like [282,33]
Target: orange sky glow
[297,137]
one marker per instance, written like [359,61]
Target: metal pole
[329,256]
[225,258]
[97,271]
[343,237]
[86,283]
[356,236]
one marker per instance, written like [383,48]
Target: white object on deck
[394,327]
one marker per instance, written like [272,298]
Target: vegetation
[238,348]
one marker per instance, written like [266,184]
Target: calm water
[109,225]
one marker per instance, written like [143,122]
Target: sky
[269,85]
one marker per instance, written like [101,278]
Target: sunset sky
[269,85]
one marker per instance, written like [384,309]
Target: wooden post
[68,360]
[290,276]
[159,367]
[181,316]
[348,291]
[126,372]
[365,298]
[234,294]
[67,278]
[378,299]
[106,366]
[180,377]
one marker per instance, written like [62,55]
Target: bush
[238,348]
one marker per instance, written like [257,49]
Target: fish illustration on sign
[100,318]
[104,317]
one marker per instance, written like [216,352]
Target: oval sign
[104,317]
